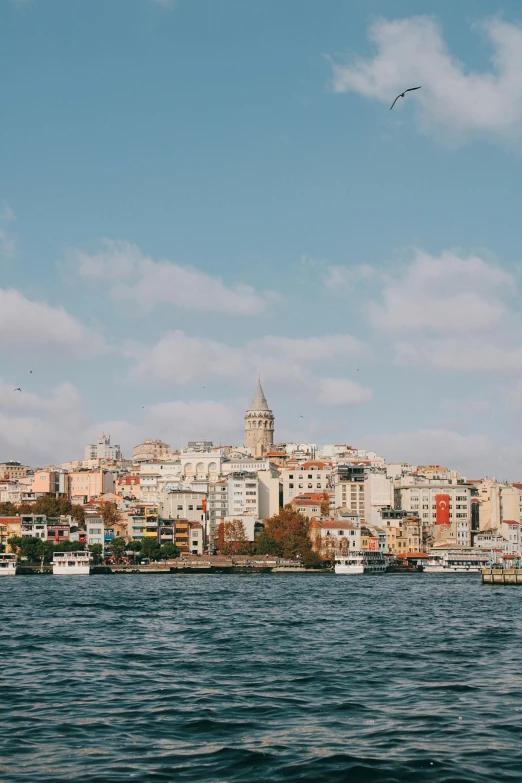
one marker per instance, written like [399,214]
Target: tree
[118,547]
[325,504]
[110,513]
[96,550]
[51,507]
[134,546]
[289,529]
[169,551]
[78,513]
[312,560]
[150,548]
[8,509]
[232,538]
[2,547]
[267,546]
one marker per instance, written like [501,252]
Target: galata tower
[259,424]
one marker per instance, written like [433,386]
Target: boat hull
[354,569]
[8,571]
[59,570]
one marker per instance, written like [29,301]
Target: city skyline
[202,198]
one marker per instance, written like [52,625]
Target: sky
[192,192]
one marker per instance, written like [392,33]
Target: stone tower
[259,424]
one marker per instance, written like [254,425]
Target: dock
[502,576]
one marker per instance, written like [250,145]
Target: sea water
[260,678]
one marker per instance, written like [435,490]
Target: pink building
[84,485]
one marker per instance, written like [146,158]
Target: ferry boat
[465,561]
[72,563]
[8,564]
[361,563]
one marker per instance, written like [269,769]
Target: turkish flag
[204,505]
[442,503]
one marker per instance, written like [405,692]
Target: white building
[305,478]
[334,536]
[378,494]
[183,502]
[349,487]
[95,531]
[102,449]
[419,499]
[243,494]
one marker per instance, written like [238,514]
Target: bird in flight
[17,389]
[302,417]
[410,89]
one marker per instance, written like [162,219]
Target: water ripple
[204,678]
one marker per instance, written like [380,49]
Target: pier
[502,576]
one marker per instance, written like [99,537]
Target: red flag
[442,503]
[204,504]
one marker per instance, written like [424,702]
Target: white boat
[8,564]
[467,561]
[361,563]
[72,563]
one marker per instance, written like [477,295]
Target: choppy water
[257,678]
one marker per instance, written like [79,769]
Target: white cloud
[451,312]
[181,421]
[462,354]
[36,325]
[345,278]
[340,392]
[454,100]
[444,294]
[473,455]
[308,349]
[179,359]
[137,278]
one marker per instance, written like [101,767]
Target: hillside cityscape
[295,500]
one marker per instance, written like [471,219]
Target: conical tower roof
[259,402]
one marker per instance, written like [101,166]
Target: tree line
[285,535]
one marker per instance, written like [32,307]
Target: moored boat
[8,564]
[457,561]
[361,563]
[72,563]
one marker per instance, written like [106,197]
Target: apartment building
[305,478]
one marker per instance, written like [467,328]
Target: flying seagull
[410,89]
[17,389]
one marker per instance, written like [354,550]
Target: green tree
[169,551]
[150,548]
[267,546]
[96,551]
[312,560]
[118,547]
[2,547]
[134,546]
[8,509]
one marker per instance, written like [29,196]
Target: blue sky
[192,192]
